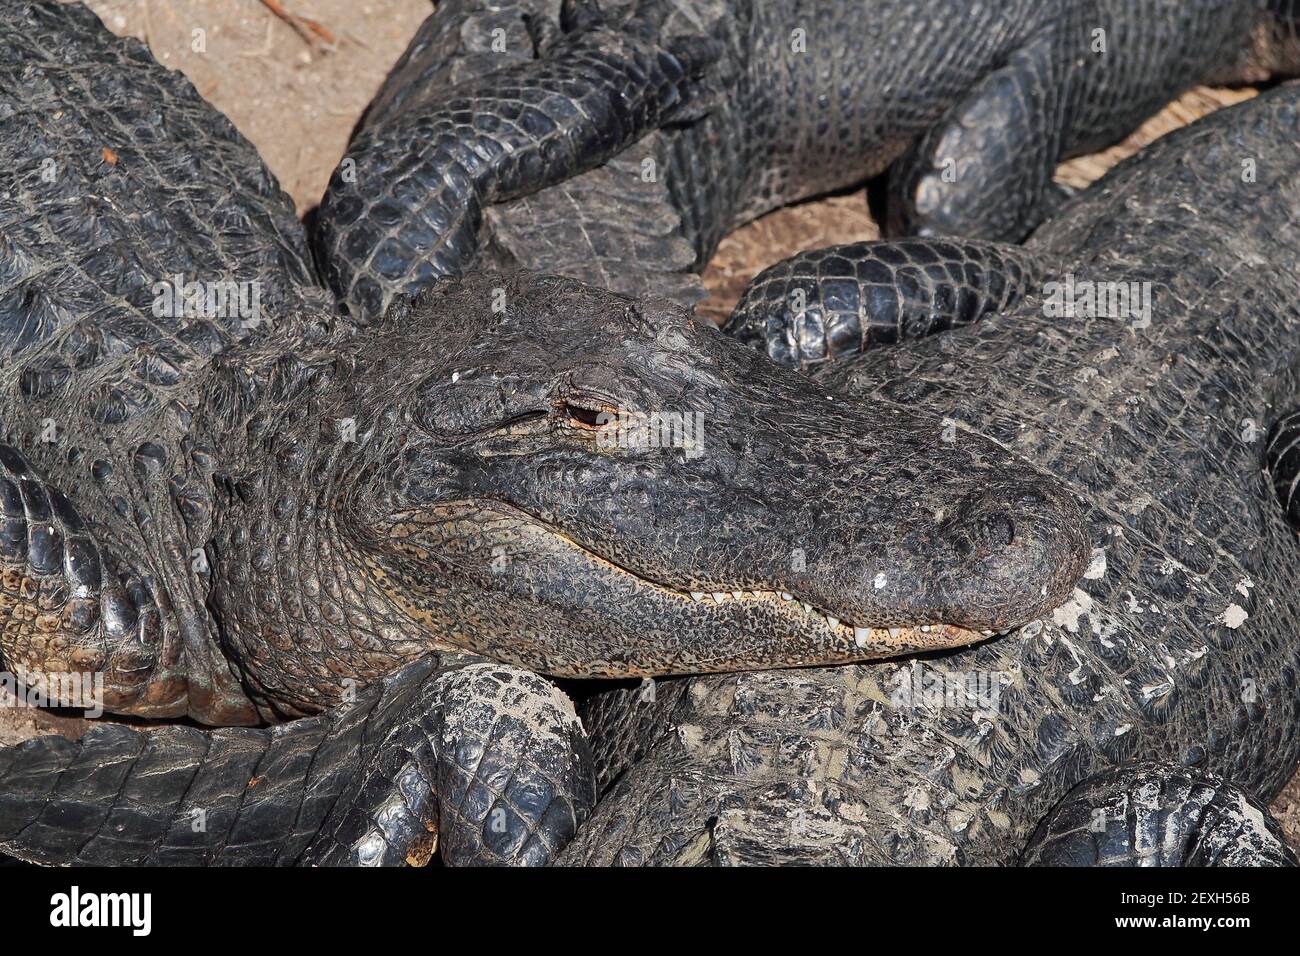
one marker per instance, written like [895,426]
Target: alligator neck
[296,602]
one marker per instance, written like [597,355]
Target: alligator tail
[487,763]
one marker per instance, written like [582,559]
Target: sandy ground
[296,93]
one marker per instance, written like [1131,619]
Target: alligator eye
[582,416]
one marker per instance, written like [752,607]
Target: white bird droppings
[1097,566]
[1067,615]
[1234,616]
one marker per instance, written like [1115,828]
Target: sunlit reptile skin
[1179,644]
[1154,815]
[114,175]
[824,304]
[804,97]
[244,518]
[385,780]
[97,391]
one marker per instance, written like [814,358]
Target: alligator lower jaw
[903,636]
[626,617]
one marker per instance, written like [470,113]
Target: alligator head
[590,485]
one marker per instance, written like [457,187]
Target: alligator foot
[486,762]
[1153,814]
[828,304]
[983,171]
[519,129]
[71,607]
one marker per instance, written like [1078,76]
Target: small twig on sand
[313,32]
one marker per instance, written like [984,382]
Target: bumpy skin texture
[1180,642]
[122,429]
[1003,90]
[438,755]
[486,503]
[1157,815]
[97,390]
[1282,459]
[242,520]
[521,129]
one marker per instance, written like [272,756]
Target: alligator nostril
[999,530]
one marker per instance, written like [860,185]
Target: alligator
[354,544]
[502,137]
[921,529]
[1152,814]
[721,769]
[1145,372]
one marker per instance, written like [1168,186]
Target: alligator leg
[1153,814]
[487,761]
[830,303]
[517,130]
[81,626]
[984,170]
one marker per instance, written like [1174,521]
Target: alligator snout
[1015,549]
[982,554]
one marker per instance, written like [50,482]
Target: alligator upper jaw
[497,581]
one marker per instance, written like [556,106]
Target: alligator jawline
[910,635]
[800,614]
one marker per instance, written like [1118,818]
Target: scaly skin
[1180,643]
[407,767]
[1157,815]
[1002,90]
[243,521]
[825,304]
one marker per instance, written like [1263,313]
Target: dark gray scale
[828,304]
[1282,461]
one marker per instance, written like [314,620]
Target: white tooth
[895,631]
[738,594]
[862,636]
[807,607]
[925,628]
[697,595]
[719,596]
[787,596]
[832,621]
